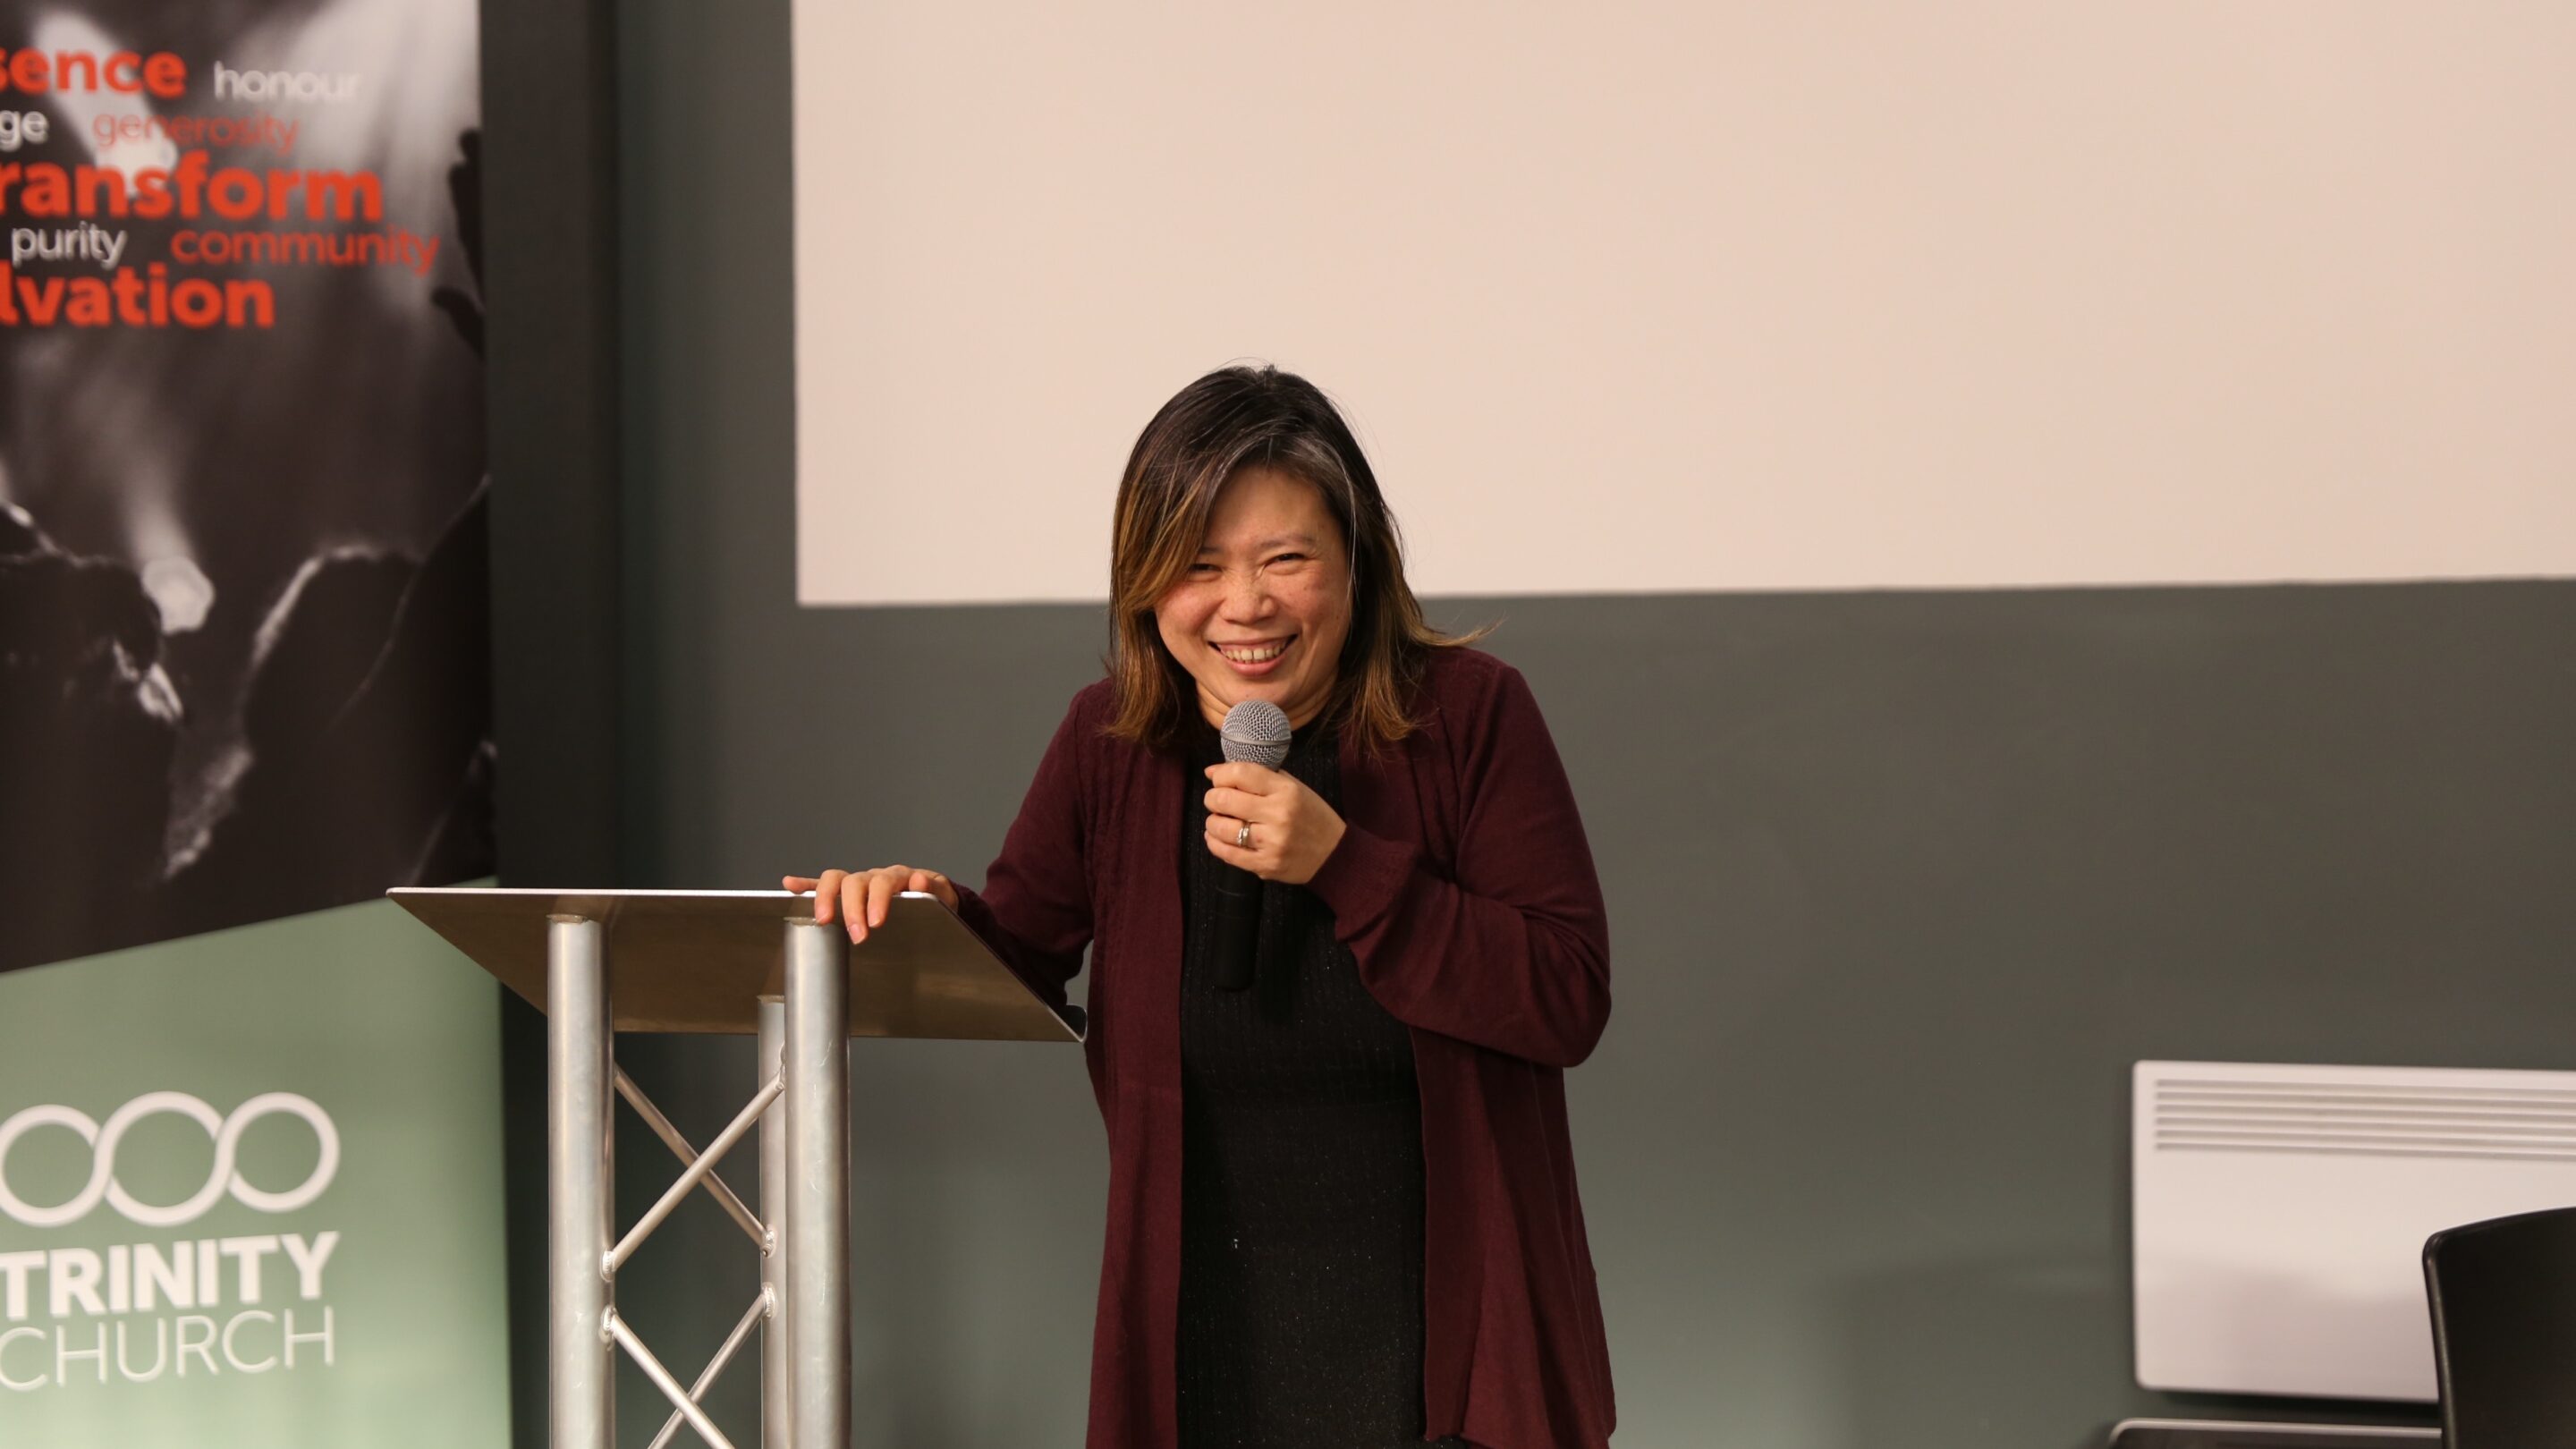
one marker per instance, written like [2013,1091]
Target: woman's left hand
[1293,830]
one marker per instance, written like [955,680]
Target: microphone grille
[1256,733]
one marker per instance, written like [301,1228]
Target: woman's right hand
[861,897]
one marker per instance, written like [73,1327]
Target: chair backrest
[2503,1294]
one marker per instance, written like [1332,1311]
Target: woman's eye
[1202,571]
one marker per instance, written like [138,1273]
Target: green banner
[250,1193]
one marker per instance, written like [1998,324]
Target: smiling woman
[1262,611]
[1248,517]
[1342,1205]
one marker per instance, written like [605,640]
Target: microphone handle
[1238,926]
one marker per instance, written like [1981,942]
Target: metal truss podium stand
[747,962]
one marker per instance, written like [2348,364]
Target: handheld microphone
[1255,732]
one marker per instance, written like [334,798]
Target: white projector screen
[1708,296]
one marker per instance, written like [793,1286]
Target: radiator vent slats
[2219,1114]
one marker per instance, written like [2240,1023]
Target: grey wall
[1899,886]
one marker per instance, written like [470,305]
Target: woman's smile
[1254,659]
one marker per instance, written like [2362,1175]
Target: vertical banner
[249,1144]
[243,655]
[250,1194]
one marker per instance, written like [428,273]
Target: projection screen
[1717,296]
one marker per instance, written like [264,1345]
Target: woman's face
[1263,612]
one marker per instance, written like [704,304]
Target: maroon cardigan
[1465,889]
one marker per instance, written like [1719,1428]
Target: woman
[1342,1211]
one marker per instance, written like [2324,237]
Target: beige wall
[1719,295]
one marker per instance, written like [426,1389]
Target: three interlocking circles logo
[104,1138]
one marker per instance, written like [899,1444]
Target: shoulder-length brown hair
[1232,419]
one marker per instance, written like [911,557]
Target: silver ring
[1243,836]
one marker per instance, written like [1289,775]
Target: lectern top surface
[699,961]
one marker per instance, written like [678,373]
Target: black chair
[2503,1294]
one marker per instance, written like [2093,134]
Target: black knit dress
[1301,1173]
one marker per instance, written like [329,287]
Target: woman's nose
[1246,595]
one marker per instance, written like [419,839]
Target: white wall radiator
[2281,1211]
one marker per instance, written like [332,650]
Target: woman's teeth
[1256,654]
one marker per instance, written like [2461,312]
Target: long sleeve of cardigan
[1035,907]
[1513,954]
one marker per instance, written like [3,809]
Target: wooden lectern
[750,962]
